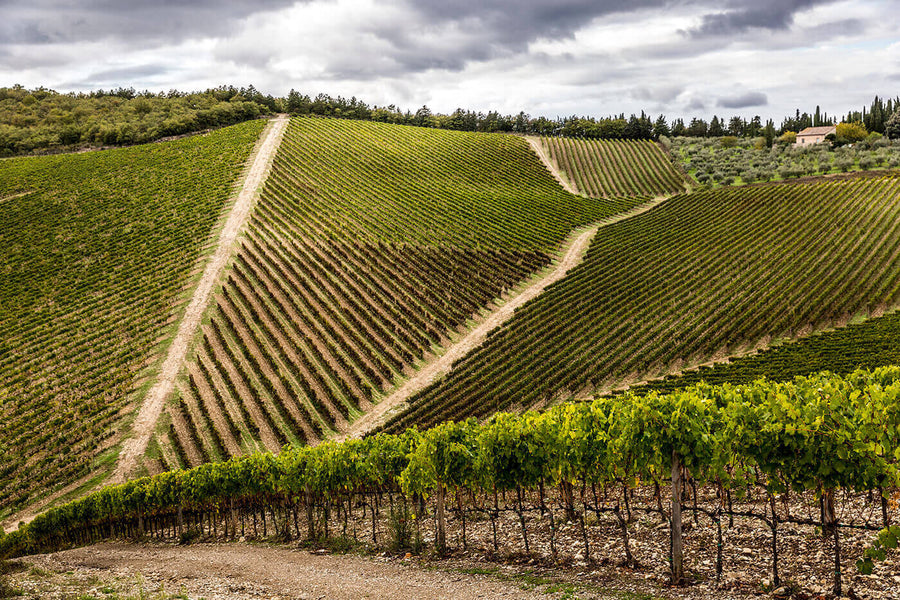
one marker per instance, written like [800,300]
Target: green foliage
[702,274]
[892,127]
[851,132]
[95,251]
[821,430]
[874,342]
[887,539]
[44,121]
[785,160]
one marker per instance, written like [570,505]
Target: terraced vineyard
[613,168]
[371,246]
[864,345]
[95,252]
[702,275]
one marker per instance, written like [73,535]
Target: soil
[440,366]
[233,571]
[135,446]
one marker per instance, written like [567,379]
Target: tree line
[42,120]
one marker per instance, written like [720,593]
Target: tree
[851,132]
[661,128]
[892,126]
[787,138]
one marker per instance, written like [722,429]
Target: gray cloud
[663,93]
[128,73]
[63,21]
[491,29]
[742,15]
[744,100]
[696,104]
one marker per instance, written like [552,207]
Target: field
[371,247]
[371,250]
[673,486]
[612,168]
[701,276]
[864,345]
[96,250]
[750,161]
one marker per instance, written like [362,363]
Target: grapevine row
[95,258]
[799,454]
[370,247]
[700,275]
[610,168]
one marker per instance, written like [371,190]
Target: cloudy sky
[551,57]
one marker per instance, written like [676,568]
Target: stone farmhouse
[814,135]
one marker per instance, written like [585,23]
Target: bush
[843,163]
[867,162]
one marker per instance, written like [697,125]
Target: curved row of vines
[371,246]
[96,251]
[609,168]
[748,449]
[863,345]
[702,275]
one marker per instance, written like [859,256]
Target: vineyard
[813,462]
[613,168]
[865,345]
[96,251]
[701,276]
[371,247]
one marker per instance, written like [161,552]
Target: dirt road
[135,446]
[573,254]
[237,571]
[539,149]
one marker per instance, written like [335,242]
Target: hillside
[701,276]
[613,168]
[864,345]
[372,246]
[96,250]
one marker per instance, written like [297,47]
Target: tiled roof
[818,130]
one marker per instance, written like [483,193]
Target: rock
[782,592]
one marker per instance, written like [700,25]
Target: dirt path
[538,148]
[573,254]
[14,196]
[237,571]
[135,446]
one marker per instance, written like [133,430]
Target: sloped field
[614,168]
[371,246]
[95,252]
[701,275]
[864,345]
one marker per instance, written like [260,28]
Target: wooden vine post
[677,542]
[440,540]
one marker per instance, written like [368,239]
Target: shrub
[728,141]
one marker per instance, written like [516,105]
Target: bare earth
[439,367]
[538,148]
[237,571]
[135,446]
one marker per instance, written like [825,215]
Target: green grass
[702,275]
[95,254]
